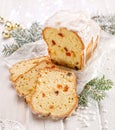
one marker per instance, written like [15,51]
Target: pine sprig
[35,31]
[9,49]
[107,23]
[23,36]
[95,89]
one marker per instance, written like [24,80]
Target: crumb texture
[25,85]
[55,94]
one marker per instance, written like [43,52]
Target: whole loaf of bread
[71,38]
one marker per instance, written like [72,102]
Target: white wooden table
[97,116]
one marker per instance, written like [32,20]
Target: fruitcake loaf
[55,94]
[26,83]
[21,67]
[71,38]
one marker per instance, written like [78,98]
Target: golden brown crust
[90,48]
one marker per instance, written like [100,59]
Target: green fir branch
[95,89]
[107,23]
[35,31]
[23,36]
[9,49]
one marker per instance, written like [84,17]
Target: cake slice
[55,94]
[26,83]
[21,67]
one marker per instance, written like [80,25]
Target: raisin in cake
[26,83]
[21,67]
[71,38]
[55,94]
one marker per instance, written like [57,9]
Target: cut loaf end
[71,38]
[65,47]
